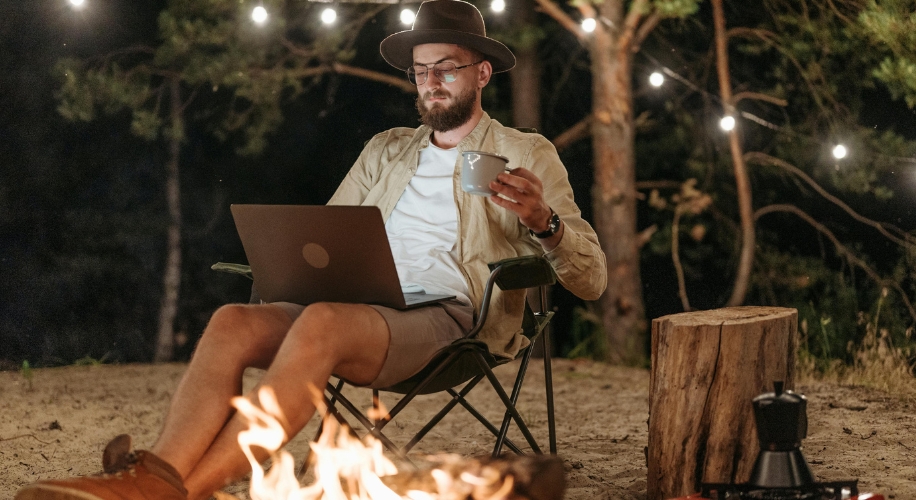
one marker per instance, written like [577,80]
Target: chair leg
[507,402]
[456,398]
[486,423]
[516,389]
[548,386]
[407,398]
[365,422]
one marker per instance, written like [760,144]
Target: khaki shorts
[416,335]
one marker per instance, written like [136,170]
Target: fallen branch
[33,436]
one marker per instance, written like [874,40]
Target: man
[441,238]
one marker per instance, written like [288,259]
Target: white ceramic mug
[478,169]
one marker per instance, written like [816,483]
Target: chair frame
[542,318]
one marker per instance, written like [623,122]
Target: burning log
[347,468]
[707,366]
[526,477]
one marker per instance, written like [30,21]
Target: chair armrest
[528,271]
[512,274]
[225,267]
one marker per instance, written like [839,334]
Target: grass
[877,363]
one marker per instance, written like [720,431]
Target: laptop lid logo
[315,255]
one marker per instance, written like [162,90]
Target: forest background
[97,155]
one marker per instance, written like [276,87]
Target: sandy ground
[57,425]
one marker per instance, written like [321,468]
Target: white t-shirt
[423,228]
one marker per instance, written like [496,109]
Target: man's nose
[432,81]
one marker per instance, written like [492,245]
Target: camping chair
[468,361]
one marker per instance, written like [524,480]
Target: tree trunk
[742,182]
[614,191]
[171,279]
[707,367]
[526,76]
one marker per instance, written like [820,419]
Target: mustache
[435,94]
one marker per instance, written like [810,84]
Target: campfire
[348,468]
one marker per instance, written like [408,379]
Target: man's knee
[240,325]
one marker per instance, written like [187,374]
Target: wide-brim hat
[446,21]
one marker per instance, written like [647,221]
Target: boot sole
[51,492]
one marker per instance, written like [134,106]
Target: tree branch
[906,241]
[840,248]
[625,41]
[368,74]
[676,258]
[758,96]
[644,29]
[658,185]
[573,134]
[553,10]
[376,76]
[770,39]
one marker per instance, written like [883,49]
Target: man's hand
[526,195]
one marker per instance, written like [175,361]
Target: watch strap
[553,225]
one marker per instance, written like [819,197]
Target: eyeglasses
[446,72]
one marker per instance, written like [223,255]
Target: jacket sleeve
[578,260]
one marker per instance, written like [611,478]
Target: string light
[259,14]
[728,123]
[498,5]
[656,79]
[407,16]
[589,24]
[840,152]
[328,16]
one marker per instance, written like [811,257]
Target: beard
[443,119]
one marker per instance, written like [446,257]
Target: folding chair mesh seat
[468,361]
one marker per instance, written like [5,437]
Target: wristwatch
[553,225]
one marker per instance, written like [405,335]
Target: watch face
[553,225]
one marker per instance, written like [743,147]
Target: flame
[345,467]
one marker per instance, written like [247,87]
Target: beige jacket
[486,232]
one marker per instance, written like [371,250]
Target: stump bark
[707,366]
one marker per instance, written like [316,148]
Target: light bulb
[727,123]
[840,152]
[498,5]
[407,16]
[589,24]
[77,3]
[656,79]
[328,15]
[259,14]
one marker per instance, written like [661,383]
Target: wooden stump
[707,366]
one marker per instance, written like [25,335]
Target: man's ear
[484,72]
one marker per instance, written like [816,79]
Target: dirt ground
[56,425]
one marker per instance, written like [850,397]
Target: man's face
[446,106]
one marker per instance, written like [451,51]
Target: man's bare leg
[350,340]
[238,336]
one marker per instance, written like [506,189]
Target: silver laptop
[317,253]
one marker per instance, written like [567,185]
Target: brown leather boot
[127,476]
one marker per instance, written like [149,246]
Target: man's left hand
[526,197]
